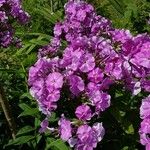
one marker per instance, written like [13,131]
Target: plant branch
[7,111]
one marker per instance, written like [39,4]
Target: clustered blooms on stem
[85,57]
[10,9]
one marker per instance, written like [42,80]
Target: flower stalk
[7,111]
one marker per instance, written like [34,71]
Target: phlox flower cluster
[84,58]
[10,9]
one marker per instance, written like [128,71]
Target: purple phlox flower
[145,108]
[55,43]
[142,58]
[48,50]
[83,112]
[96,75]
[72,142]
[145,85]
[3,16]
[103,103]
[100,100]
[2,2]
[88,137]
[121,35]
[76,84]
[100,25]
[37,90]
[53,95]
[58,29]
[99,130]
[148,145]
[65,129]
[106,83]
[114,68]
[72,59]
[47,107]
[144,132]
[88,63]
[44,125]
[92,87]
[54,80]
[39,70]
[136,88]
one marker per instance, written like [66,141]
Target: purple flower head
[145,131]
[53,95]
[58,29]
[2,2]
[3,16]
[39,70]
[114,68]
[135,87]
[88,137]
[72,59]
[121,35]
[146,85]
[99,130]
[92,87]
[103,102]
[100,100]
[54,80]
[37,90]
[83,112]
[147,146]
[142,58]
[101,25]
[145,108]
[106,83]
[47,107]
[96,75]
[76,84]
[88,63]
[45,86]
[65,129]
[96,55]
[10,9]
[44,125]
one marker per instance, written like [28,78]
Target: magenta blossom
[83,112]
[145,108]
[76,84]
[144,132]
[54,80]
[65,129]
[96,75]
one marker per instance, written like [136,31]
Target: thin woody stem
[7,111]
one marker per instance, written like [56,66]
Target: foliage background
[121,120]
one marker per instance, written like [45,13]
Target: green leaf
[25,130]
[28,95]
[53,118]
[38,138]
[48,15]
[46,36]
[57,145]
[125,148]
[37,122]
[28,110]
[129,129]
[118,5]
[21,140]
